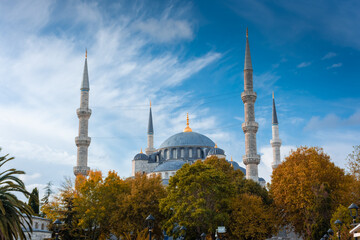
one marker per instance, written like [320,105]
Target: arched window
[198,153]
[182,153]
[190,153]
[42,227]
[174,155]
[36,225]
[166,154]
[166,175]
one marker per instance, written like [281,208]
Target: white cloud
[303,64]
[41,89]
[329,55]
[335,65]
[333,121]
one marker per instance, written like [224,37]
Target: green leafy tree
[342,213]
[14,214]
[307,188]
[208,194]
[34,201]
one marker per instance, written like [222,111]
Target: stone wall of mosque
[143,166]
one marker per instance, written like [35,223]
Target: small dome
[236,166]
[187,139]
[171,165]
[141,156]
[216,151]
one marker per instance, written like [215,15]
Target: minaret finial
[247,65]
[274,115]
[150,103]
[85,52]
[215,145]
[187,129]
[231,162]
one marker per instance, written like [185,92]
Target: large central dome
[187,139]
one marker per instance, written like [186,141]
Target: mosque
[187,146]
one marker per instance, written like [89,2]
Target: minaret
[83,140]
[150,134]
[275,141]
[251,159]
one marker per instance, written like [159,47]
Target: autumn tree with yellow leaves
[307,188]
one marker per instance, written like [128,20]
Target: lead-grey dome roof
[141,156]
[216,151]
[171,165]
[187,139]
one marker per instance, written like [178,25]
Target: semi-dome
[171,165]
[187,139]
[141,156]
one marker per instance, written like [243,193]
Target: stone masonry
[251,159]
[84,113]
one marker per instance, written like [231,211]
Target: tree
[48,192]
[198,197]
[61,207]
[34,201]
[139,198]
[251,218]
[307,188]
[342,213]
[353,162]
[14,214]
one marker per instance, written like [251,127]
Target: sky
[184,56]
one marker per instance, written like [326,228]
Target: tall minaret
[251,159]
[275,141]
[83,140]
[150,133]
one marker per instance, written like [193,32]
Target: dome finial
[231,162]
[141,150]
[187,129]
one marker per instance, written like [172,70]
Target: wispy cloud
[329,55]
[39,102]
[335,65]
[303,64]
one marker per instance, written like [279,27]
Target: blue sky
[184,56]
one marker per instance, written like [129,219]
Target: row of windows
[166,153]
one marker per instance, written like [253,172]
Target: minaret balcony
[248,96]
[83,112]
[251,159]
[82,141]
[250,127]
[81,170]
[275,142]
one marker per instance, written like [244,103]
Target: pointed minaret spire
[150,134]
[275,141]
[274,116]
[85,82]
[247,64]
[84,113]
[251,158]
